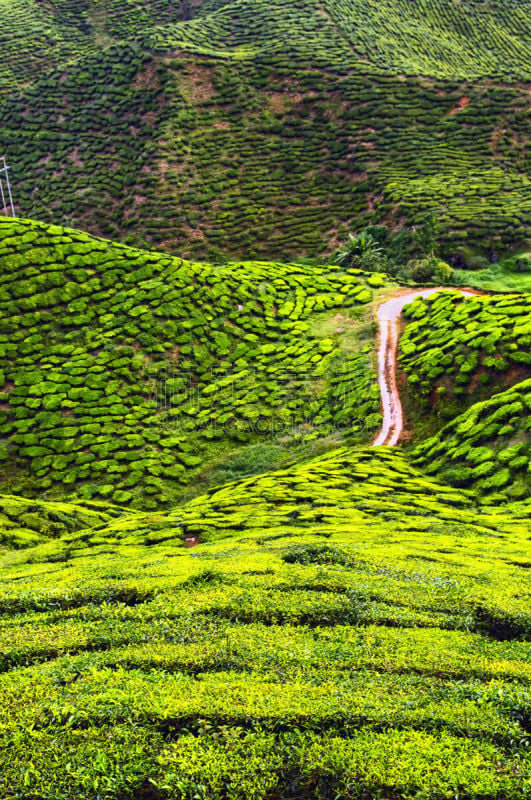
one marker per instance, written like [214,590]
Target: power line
[7,203]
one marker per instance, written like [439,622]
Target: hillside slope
[467,373]
[270,129]
[455,351]
[24,522]
[432,37]
[427,37]
[344,491]
[213,584]
[488,448]
[372,644]
[37,36]
[128,375]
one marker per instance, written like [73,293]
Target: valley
[265,400]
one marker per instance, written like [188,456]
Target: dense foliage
[478,39]
[456,350]
[344,627]
[24,523]
[487,448]
[360,632]
[256,130]
[127,375]
[211,588]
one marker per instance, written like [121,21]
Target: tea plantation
[219,592]
[358,632]
[269,129]
[213,584]
[127,375]
[456,351]
[488,446]
[477,41]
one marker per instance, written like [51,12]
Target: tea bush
[456,350]
[488,448]
[127,375]
[272,131]
[360,629]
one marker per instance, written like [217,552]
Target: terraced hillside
[37,36]
[487,448]
[213,584]
[456,351]
[469,39]
[345,490]
[345,626]
[372,651]
[129,375]
[269,129]
[467,367]
[24,523]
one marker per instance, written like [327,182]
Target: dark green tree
[427,235]
[360,250]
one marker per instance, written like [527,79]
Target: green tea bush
[469,348]
[243,357]
[476,450]
[346,625]
[266,135]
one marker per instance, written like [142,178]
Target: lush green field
[269,129]
[345,625]
[358,633]
[487,447]
[211,586]
[428,37]
[130,375]
[468,368]
[456,351]
[510,275]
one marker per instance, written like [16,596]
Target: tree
[428,270]
[359,250]
[426,236]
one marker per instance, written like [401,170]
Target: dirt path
[388,323]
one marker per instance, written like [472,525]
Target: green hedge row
[360,629]
[488,448]
[455,351]
[268,156]
[123,373]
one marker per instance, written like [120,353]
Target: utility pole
[7,203]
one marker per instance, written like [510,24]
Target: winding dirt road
[388,323]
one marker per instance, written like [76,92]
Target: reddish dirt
[147,77]
[149,118]
[389,319]
[175,354]
[75,159]
[196,84]
[462,103]
[163,168]
[194,233]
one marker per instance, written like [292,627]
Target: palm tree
[356,248]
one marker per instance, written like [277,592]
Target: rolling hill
[270,129]
[454,352]
[248,609]
[346,624]
[215,584]
[130,375]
